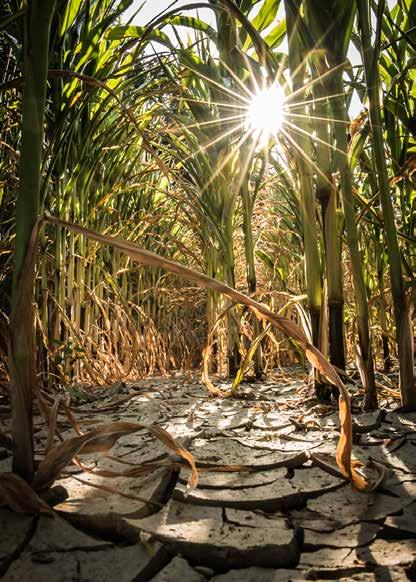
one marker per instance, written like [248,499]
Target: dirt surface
[270,504]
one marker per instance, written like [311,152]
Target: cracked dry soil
[269,505]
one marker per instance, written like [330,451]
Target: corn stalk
[37,19]
[401,310]
[303,155]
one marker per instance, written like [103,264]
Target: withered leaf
[101,440]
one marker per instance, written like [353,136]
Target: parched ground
[270,505]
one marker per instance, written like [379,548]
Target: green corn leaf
[357,145]
[120,32]
[266,14]
[265,258]
[71,12]
[247,5]
[276,36]
[194,23]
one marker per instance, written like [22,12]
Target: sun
[266,112]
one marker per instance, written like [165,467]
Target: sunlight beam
[266,113]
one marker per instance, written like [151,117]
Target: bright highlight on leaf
[266,112]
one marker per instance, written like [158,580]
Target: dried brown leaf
[102,440]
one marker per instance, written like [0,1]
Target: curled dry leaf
[283,324]
[101,440]
[172,444]
[18,496]
[379,472]
[344,447]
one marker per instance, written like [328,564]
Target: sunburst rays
[266,112]
[258,112]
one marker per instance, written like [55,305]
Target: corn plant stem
[366,357]
[327,197]
[233,355]
[387,363]
[401,314]
[306,193]
[379,245]
[227,39]
[334,279]
[247,208]
[22,356]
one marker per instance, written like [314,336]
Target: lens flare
[266,112]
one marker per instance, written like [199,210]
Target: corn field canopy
[207,247]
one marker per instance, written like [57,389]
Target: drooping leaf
[101,440]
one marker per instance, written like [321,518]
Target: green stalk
[233,349]
[247,208]
[227,40]
[378,239]
[327,197]
[401,314]
[303,154]
[22,355]
[366,357]
[334,281]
